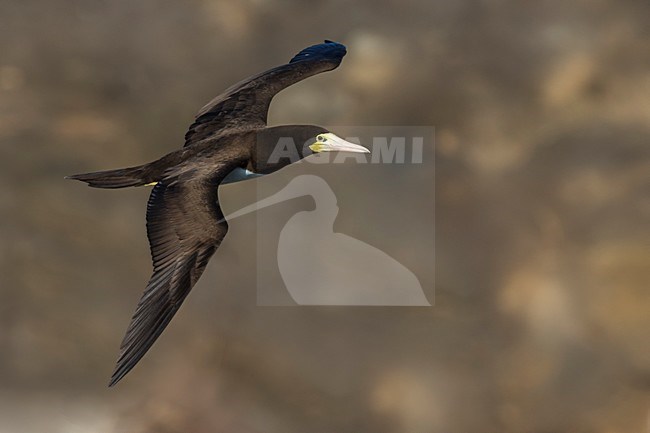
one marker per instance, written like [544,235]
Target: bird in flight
[229,141]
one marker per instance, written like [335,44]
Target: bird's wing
[184,230]
[245,105]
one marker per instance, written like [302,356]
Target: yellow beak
[328,142]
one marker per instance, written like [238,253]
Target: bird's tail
[120,178]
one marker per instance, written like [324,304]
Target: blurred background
[542,272]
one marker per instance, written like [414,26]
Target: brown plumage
[184,219]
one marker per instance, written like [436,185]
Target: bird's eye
[321,138]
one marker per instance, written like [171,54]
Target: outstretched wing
[184,230]
[246,104]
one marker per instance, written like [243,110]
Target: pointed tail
[120,178]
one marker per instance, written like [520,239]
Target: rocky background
[542,306]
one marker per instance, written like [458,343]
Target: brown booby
[228,141]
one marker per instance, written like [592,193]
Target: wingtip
[327,50]
[118,373]
[115,378]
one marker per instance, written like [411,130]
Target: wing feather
[184,230]
[246,104]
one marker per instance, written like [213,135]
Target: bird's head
[280,146]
